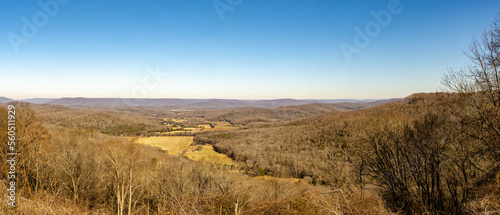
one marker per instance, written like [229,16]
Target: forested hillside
[423,154]
[420,155]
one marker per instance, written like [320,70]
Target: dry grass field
[181,145]
[220,128]
[174,145]
[205,125]
[131,138]
[175,132]
[206,153]
[223,123]
[178,120]
[190,129]
[267,177]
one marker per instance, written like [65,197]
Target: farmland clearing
[206,153]
[174,145]
[184,146]
[220,128]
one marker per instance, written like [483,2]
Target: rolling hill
[5,100]
[196,103]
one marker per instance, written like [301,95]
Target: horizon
[241,49]
[299,99]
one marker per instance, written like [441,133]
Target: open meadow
[184,146]
[206,153]
[174,145]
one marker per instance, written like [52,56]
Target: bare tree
[122,162]
[30,140]
[75,162]
[479,88]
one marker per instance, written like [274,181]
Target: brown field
[267,177]
[178,120]
[175,132]
[181,145]
[205,125]
[206,153]
[174,145]
[191,129]
[223,123]
[131,138]
[220,128]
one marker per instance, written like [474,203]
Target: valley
[313,158]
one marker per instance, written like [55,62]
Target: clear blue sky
[262,49]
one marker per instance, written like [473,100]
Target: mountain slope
[5,100]
[200,103]
[39,100]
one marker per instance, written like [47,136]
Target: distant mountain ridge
[34,100]
[39,100]
[192,103]
[81,102]
[5,100]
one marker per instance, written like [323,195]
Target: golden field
[206,153]
[174,145]
[220,128]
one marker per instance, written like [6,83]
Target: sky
[234,49]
